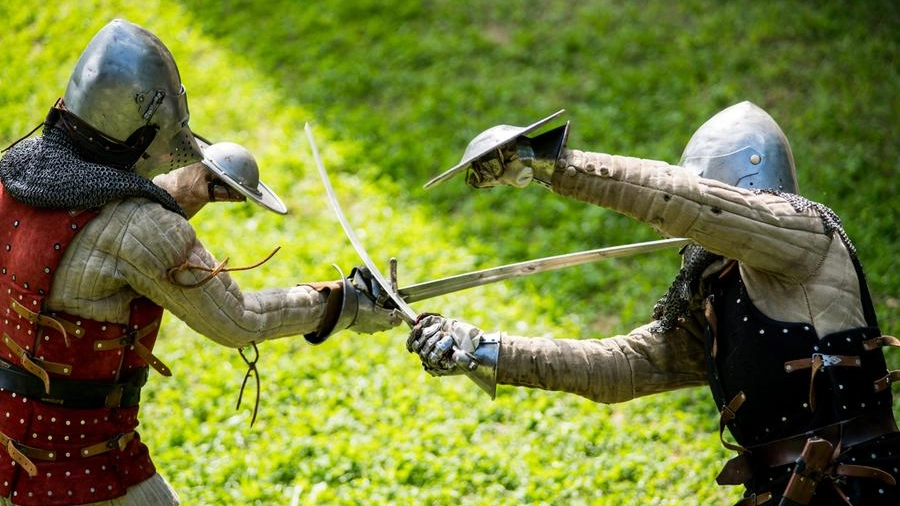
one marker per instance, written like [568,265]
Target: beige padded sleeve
[792,269]
[763,231]
[127,251]
[610,370]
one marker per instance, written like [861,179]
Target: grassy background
[395,90]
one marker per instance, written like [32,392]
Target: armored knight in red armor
[91,254]
[770,309]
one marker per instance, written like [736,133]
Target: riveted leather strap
[119,442]
[868,472]
[817,362]
[36,366]
[24,454]
[20,458]
[62,326]
[727,414]
[133,339]
[885,382]
[880,342]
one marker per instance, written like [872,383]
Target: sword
[406,312]
[434,288]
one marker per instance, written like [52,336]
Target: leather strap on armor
[24,455]
[727,414]
[18,457]
[811,468]
[885,382]
[65,328]
[133,339]
[816,363]
[845,434]
[755,499]
[879,342]
[37,367]
[74,394]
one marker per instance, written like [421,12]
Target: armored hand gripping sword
[468,364]
[406,312]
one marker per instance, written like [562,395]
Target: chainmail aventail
[48,172]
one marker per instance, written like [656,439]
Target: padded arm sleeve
[128,251]
[610,370]
[762,231]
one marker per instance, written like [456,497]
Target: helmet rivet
[755,159]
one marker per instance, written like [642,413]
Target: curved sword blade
[407,312]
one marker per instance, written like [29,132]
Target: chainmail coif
[48,172]
[677,302]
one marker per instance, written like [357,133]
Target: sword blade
[407,312]
[434,288]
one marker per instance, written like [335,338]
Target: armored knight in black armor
[770,309]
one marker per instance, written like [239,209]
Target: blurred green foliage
[395,90]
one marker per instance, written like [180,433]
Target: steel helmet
[234,165]
[742,146]
[126,80]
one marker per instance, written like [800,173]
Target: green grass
[394,91]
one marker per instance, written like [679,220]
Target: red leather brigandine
[52,454]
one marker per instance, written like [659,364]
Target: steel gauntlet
[448,347]
[354,303]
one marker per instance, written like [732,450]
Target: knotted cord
[213,272]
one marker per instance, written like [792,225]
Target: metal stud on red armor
[69,386]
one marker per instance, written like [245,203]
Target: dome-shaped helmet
[742,146]
[495,138]
[126,80]
[235,166]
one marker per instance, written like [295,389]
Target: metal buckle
[827,360]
